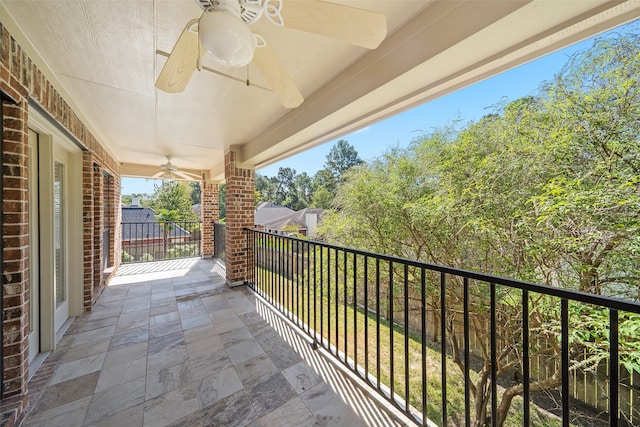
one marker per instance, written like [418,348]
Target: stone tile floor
[172,344]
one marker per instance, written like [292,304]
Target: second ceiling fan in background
[222,31]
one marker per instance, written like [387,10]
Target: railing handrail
[569,294]
[156,221]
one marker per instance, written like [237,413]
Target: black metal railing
[386,319]
[219,242]
[157,241]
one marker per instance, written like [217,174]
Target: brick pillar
[116,212]
[110,203]
[98,200]
[210,213]
[87,230]
[240,209]
[15,247]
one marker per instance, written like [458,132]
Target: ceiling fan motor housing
[225,36]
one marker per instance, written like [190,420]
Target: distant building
[268,211]
[304,222]
[197,209]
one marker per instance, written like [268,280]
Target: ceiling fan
[223,32]
[170,171]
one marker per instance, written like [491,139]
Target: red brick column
[116,234]
[98,226]
[240,209]
[210,213]
[15,268]
[88,254]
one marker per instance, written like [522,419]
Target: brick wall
[210,213]
[240,209]
[24,82]
[15,244]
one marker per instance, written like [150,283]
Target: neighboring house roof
[262,205]
[268,211]
[295,218]
[140,223]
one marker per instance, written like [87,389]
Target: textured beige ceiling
[102,55]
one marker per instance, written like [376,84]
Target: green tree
[266,187]
[222,201]
[285,184]
[299,195]
[590,211]
[324,188]
[546,189]
[299,191]
[321,198]
[341,158]
[196,192]
[174,196]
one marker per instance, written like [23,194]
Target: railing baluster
[288,279]
[337,294]
[329,299]
[276,272]
[465,331]
[308,286]
[406,336]
[366,317]
[494,359]
[315,294]
[378,322]
[270,257]
[614,369]
[564,332]
[423,318]
[296,248]
[525,359]
[443,332]
[345,320]
[392,379]
[321,294]
[355,314]
[283,278]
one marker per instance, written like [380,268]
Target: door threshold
[63,329]
[37,361]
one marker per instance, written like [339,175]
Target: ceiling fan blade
[186,175]
[158,175]
[349,24]
[279,79]
[182,62]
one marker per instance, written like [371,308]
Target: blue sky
[467,104]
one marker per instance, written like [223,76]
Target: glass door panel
[59,233]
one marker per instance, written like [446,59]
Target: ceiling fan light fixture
[226,38]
